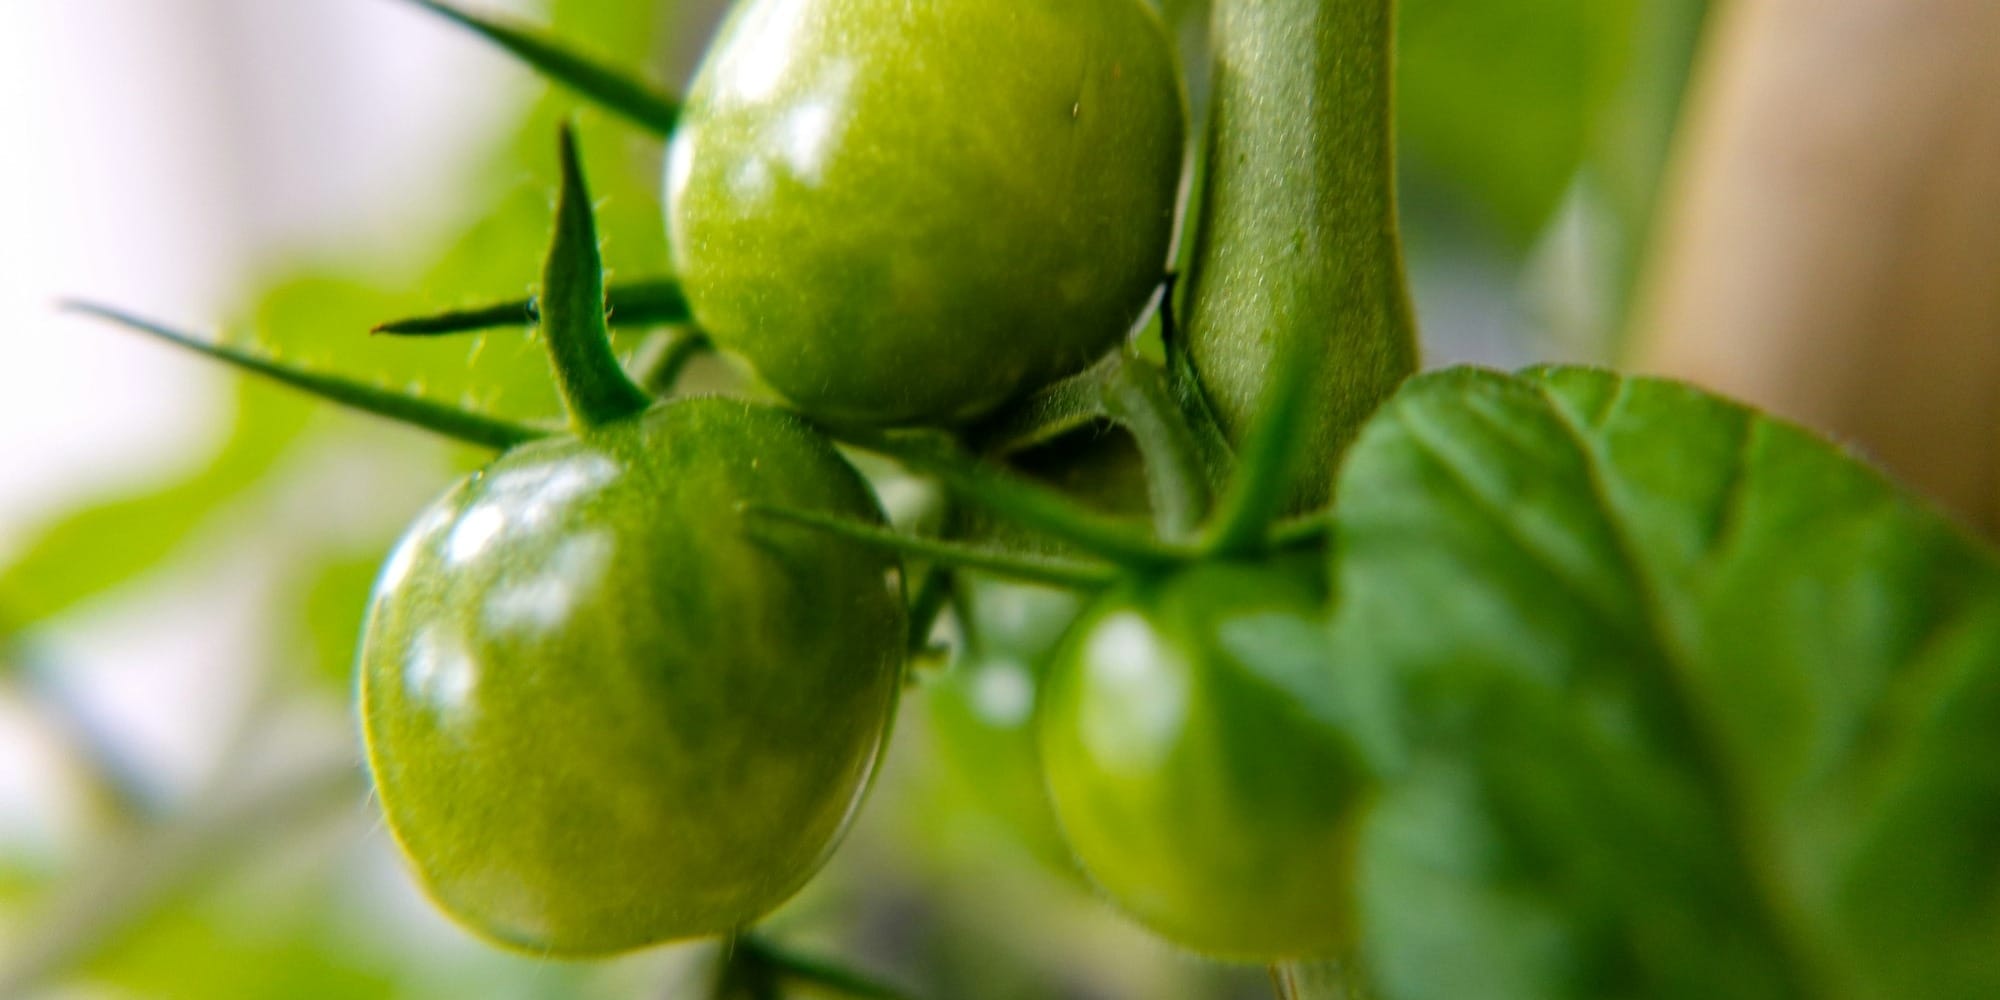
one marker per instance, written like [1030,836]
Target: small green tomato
[600,712]
[1197,763]
[911,212]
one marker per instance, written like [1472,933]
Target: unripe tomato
[600,712]
[1197,764]
[904,212]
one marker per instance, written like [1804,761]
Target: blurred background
[184,555]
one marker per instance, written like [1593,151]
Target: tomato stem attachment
[610,88]
[438,418]
[1137,397]
[1025,502]
[594,388]
[1066,573]
[644,302]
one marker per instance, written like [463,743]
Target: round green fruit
[1196,759]
[601,712]
[905,212]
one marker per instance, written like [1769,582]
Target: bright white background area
[152,153]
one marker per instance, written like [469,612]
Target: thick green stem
[594,387]
[1298,234]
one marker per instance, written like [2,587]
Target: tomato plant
[904,213]
[1555,684]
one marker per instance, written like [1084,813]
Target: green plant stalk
[595,389]
[1297,234]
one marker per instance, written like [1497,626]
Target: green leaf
[1497,99]
[1689,703]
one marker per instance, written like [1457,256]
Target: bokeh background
[184,554]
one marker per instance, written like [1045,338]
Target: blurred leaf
[1497,99]
[1691,703]
[336,589]
[279,953]
[97,546]
[319,318]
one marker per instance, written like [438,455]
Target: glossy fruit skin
[903,212]
[601,711]
[1197,765]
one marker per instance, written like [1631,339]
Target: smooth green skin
[1298,234]
[907,212]
[600,712]
[1199,768]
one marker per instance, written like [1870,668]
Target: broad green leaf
[1688,703]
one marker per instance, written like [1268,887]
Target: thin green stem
[594,388]
[1057,409]
[663,372]
[609,87]
[1026,502]
[815,972]
[438,418]
[643,302]
[1070,574]
[1136,394]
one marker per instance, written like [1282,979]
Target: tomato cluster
[629,682]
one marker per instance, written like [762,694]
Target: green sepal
[449,421]
[610,88]
[645,302]
[595,388]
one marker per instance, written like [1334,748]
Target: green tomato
[905,212]
[1198,766]
[600,712]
